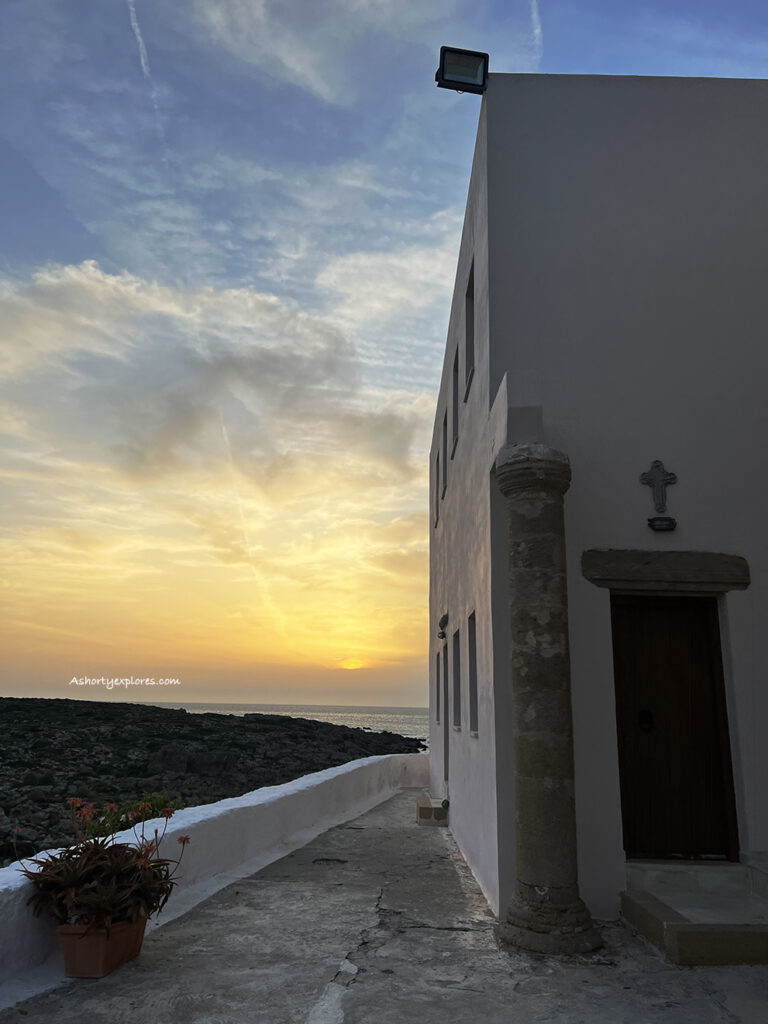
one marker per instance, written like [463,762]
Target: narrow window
[437,488]
[455,404]
[445,452]
[456,680]
[437,687]
[472,645]
[469,331]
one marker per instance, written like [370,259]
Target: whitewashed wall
[628,220]
[461,570]
[618,227]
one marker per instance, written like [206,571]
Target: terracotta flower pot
[94,953]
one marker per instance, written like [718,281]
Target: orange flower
[87,812]
[134,815]
[145,806]
[110,808]
[75,801]
[183,840]
[167,812]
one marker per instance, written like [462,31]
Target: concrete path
[379,921]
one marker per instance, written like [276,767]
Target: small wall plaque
[662,523]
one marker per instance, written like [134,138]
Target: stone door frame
[669,573]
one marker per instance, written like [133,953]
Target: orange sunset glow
[171,531]
[226,266]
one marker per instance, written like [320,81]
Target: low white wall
[228,840]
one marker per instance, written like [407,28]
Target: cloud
[222,440]
[250,32]
[220,189]
[154,363]
[376,286]
[395,304]
[204,464]
[153,382]
[313,46]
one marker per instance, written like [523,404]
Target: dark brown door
[674,755]
[446,718]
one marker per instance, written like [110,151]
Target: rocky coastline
[53,749]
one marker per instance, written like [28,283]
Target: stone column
[546,915]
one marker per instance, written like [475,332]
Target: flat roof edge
[497,75]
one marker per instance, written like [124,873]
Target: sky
[228,237]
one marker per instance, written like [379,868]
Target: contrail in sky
[146,69]
[538,36]
[142,48]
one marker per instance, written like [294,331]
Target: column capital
[532,466]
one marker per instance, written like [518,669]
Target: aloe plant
[99,882]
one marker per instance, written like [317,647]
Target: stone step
[703,876]
[697,927]
[430,811]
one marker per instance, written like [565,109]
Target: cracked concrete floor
[380,921]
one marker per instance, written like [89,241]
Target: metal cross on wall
[659,479]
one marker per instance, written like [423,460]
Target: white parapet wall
[229,840]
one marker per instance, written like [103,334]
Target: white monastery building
[598,499]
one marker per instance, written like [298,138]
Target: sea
[404,721]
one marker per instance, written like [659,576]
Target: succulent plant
[99,882]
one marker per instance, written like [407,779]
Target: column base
[559,929]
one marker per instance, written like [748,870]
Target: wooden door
[446,717]
[677,795]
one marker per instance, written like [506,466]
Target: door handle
[645,720]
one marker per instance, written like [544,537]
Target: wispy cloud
[172,434]
[536,32]
[222,440]
[313,47]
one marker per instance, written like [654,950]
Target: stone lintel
[674,571]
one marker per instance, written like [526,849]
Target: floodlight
[462,70]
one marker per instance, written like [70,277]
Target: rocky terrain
[110,752]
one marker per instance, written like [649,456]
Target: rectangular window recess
[437,687]
[455,402]
[469,326]
[472,644]
[469,381]
[445,452]
[456,681]
[437,488]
